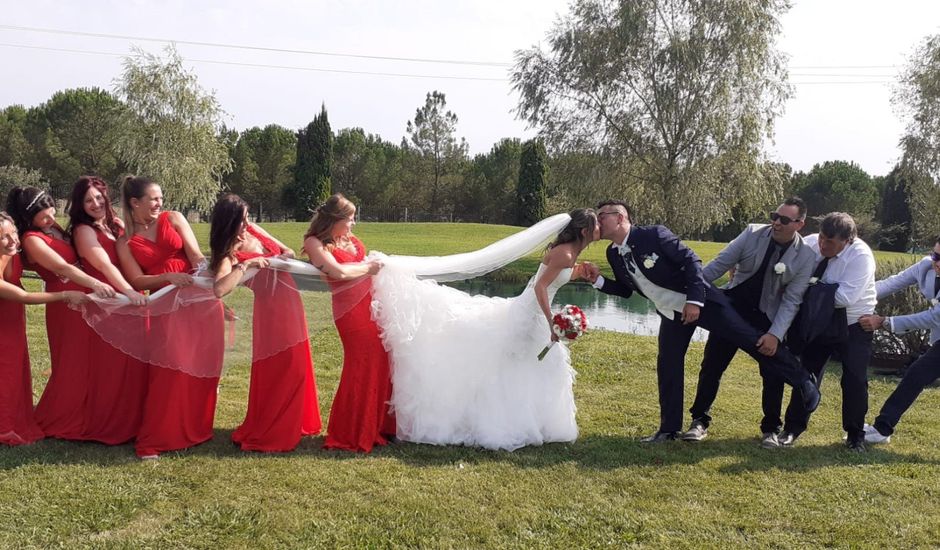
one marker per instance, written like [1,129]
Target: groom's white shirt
[667,302]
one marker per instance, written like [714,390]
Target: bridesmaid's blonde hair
[336,208]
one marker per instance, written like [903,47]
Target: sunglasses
[784,220]
[935,256]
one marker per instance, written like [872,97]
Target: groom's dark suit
[667,263]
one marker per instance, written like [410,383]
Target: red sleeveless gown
[61,410]
[117,383]
[179,408]
[282,397]
[17,423]
[360,417]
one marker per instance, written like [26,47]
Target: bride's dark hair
[581,218]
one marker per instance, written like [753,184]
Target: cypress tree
[312,172]
[530,191]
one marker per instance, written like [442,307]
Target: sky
[843,55]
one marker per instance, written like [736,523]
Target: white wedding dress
[465,369]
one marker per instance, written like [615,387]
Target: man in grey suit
[772,268]
[926,369]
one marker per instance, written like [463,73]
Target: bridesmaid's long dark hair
[23,203]
[133,187]
[77,214]
[581,218]
[228,214]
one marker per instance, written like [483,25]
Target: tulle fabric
[282,397]
[117,384]
[465,368]
[17,423]
[360,417]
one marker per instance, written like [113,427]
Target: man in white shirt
[844,259]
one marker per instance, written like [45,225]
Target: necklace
[146,226]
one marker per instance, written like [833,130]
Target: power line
[371,73]
[801,67]
[255,48]
[264,65]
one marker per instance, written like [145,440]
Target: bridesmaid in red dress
[360,417]
[62,409]
[117,382]
[159,249]
[282,398]
[17,424]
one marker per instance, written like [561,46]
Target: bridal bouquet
[569,323]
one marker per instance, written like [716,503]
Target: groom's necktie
[627,254]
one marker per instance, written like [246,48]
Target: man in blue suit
[653,262]
[926,369]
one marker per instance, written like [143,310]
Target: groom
[653,262]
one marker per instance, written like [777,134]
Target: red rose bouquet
[569,323]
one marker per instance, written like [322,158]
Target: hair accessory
[35,200]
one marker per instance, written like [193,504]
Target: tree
[433,135]
[894,213]
[917,100]
[14,149]
[16,176]
[530,193]
[839,186]
[75,132]
[312,184]
[170,130]
[677,95]
[263,161]
[488,192]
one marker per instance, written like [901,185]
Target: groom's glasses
[935,256]
[784,220]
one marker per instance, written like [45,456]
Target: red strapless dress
[179,408]
[17,423]
[282,397]
[61,410]
[117,383]
[360,417]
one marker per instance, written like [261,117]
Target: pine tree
[530,192]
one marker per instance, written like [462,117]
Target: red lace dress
[17,424]
[117,383]
[179,408]
[360,417]
[61,410]
[282,398]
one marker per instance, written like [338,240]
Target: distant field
[433,239]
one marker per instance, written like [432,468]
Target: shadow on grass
[591,452]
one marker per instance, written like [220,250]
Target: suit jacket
[675,266]
[782,293]
[922,275]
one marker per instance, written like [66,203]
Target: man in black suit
[653,262]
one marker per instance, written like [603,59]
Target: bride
[464,368]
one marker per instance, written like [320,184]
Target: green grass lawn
[606,489]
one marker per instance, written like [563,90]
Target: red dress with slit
[282,397]
[17,423]
[117,383]
[360,416]
[61,410]
[179,409]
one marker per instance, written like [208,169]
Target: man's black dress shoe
[809,391]
[661,437]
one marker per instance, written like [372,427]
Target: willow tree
[170,130]
[678,95]
[917,98]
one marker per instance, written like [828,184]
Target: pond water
[635,315]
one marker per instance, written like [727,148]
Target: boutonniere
[650,261]
[813,280]
[934,302]
[780,268]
